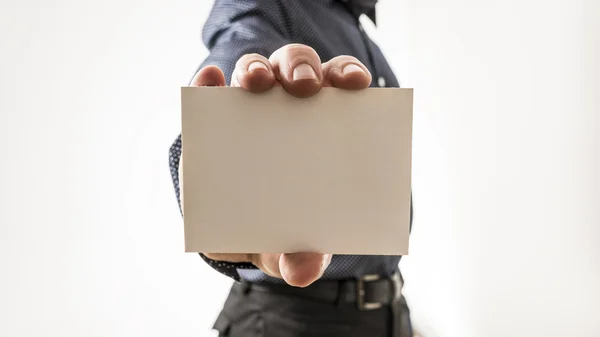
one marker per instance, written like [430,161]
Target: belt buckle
[360,296]
[398,285]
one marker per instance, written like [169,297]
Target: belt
[368,292]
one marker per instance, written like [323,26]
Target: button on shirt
[332,28]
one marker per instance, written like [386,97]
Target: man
[302,46]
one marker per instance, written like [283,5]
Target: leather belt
[368,292]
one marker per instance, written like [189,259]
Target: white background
[505,167]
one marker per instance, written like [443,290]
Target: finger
[235,258]
[298,68]
[268,263]
[346,72]
[253,72]
[302,269]
[209,76]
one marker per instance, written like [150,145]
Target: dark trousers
[252,312]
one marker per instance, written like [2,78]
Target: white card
[271,173]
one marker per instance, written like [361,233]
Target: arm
[233,29]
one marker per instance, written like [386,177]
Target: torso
[332,30]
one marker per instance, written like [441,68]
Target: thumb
[302,269]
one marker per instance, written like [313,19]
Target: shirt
[332,28]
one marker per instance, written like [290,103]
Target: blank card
[271,173]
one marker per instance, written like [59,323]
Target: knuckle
[252,57]
[299,48]
[297,51]
[345,59]
[247,58]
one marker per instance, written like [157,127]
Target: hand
[299,70]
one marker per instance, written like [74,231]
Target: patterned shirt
[332,28]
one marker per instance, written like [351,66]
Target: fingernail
[352,68]
[325,262]
[304,72]
[257,65]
